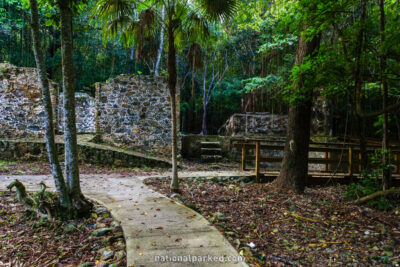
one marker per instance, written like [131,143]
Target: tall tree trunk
[71,149]
[387,179]
[204,120]
[294,169]
[191,115]
[358,82]
[172,78]
[160,49]
[44,82]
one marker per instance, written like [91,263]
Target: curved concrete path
[156,229]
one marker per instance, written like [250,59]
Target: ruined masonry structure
[132,111]
[85,113]
[135,110]
[21,110]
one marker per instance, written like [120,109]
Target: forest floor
[26,240]
[274,227]
[42,168]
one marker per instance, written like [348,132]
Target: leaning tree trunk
[71,149]
[294,169]
[44,82]
[387,177]
[172,78]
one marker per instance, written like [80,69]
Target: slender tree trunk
[387,179]
[172,78]
[294,169]
[204,123]
[112,65]
[396,117]
[160,49]
[204,120]
[191,115]
[70,138]
[362,142]
[44,82]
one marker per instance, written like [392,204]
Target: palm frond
[219,9]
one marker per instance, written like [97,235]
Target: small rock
[367,232]
[175,195]
[100,251]
[101,210]
[100,225]
[230,234]
[219,216]
[69,228]
[107,254]
[119,255]
[203,193]
[121,245]
[251,245]
[101,232]
[115,224]
[86,264]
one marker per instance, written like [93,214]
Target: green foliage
[367,186]
[256,83]
[371,183]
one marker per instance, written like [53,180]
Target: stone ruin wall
[260,124]
[85,113]
[133,111]
[21,110]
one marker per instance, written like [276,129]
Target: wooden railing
[333,153]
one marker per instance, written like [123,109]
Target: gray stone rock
[107,254]
[87,264]
[69,228]
[120,255]
[101,232]
[121,244]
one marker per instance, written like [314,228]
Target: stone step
[210,144]
[211,158]
[211,151]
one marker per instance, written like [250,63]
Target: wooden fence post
[350,161]
[258,161]
[244,157]
[326,156]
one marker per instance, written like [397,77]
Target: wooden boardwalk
[332,160]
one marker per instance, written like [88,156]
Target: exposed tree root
[391,191]
[39,203]
[21,193]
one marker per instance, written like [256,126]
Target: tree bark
[49,126]
[294,168]
[71,149]
[172,79]
[386,172]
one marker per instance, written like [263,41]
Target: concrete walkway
[155,227]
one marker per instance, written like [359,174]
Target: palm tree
[180,15]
